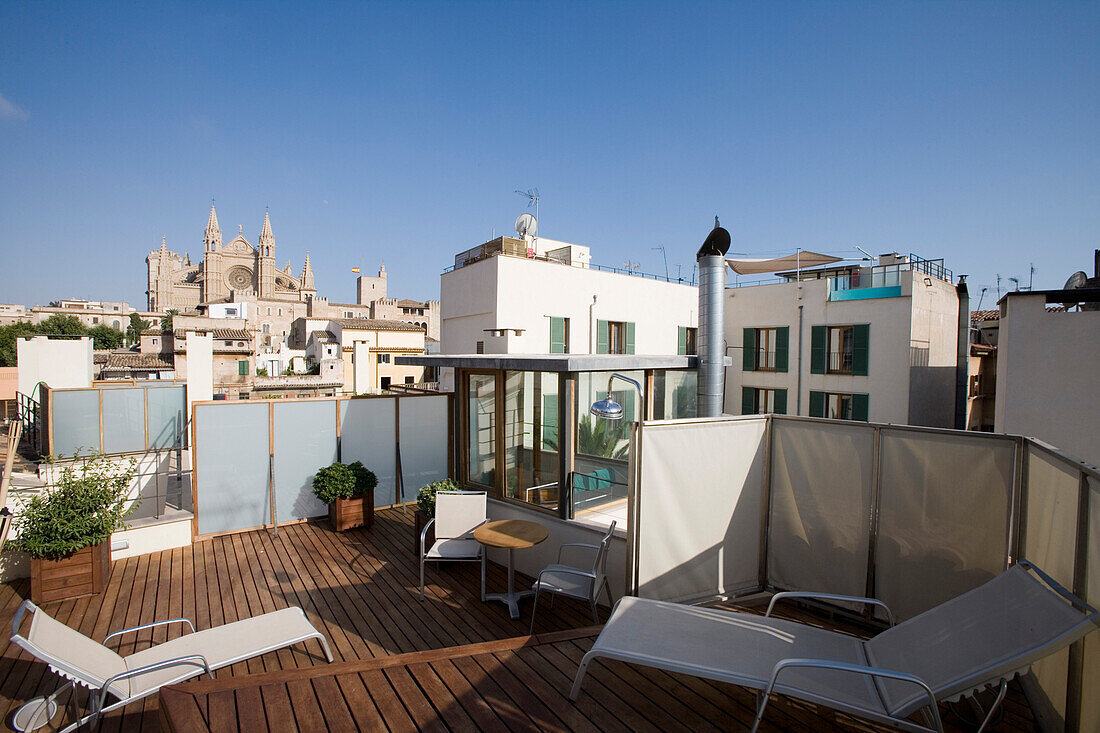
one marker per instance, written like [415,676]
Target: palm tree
[599,438]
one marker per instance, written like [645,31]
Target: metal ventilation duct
[711,259]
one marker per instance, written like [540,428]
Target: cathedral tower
[213,279]
[266,256]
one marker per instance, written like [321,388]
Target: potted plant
[425,509]
[66,529]
[348,490]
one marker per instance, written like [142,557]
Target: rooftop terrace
[451,662]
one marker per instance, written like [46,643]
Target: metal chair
[457,515]
[575,582]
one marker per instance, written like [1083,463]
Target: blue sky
[375,131]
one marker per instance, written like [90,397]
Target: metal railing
[840,362]
[633,272]
[27,412]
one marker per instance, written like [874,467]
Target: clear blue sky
[969,131]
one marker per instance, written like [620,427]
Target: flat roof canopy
[553,362]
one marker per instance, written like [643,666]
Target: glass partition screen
[481,437]
[531,438]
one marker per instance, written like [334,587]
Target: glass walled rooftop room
[524,432]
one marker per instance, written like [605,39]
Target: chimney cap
[716,243]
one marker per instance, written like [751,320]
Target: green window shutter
[817,352]
[748,401]
[782,337]
[817,404]
[557,335]
[748,351]
[242,368]
[601,337]
[780,402]
[628,347]
[860,406]
[681,340]
[861,346]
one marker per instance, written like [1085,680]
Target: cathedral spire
[266,237]
[212,238]
[307,274]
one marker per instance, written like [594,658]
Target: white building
[539,296]
[1048,371]
[861,343]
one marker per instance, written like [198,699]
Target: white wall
[515,293]
[60,363]
[200,369]
[1048,375]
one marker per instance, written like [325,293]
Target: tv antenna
[982,295]
[865,252]
[679,279]
[631,267]
[665,257]
[532,196]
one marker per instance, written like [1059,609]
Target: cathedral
[233,272]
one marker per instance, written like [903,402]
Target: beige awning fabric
[799,261]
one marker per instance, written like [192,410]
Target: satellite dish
[1076,281]
[526,225]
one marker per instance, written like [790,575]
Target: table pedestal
[511,598]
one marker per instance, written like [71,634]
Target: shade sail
[800,261]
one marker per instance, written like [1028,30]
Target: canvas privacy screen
[698,507]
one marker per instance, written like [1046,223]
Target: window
[348,314]
[410,380]
[480,347]
[839,406]
[115,308]
[383,358]
[266,328]
[559,335]
[614,337]
[228,343]
[385,382]
[687,340]
[154,342]
[242,368]
[244,396]
[840,349]
[761,401]
[95,319]
[765,349]
[269,311]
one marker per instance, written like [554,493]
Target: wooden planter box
[422,519]
[83,574]
[349,513]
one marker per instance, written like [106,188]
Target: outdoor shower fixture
[609,409]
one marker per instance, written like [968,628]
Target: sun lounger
[981,638]
[84,661]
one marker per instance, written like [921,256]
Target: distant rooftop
[552,362]
[376,324]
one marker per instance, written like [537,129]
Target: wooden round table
[511,535]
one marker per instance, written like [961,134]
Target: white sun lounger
[981,638]
[84,661]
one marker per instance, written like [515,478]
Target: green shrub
[83,508]
[343,481]
[425,498]
[365,480]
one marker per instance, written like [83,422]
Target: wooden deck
[399,661]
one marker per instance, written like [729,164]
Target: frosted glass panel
[164,404]
[820,506]
[943,516]
[367,434]
[231,459]
[75,421]
[1090,703]
[124,420]
[424,436]
[305,440]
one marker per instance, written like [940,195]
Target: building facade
[1048,369]
[860,343]
[500,300]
